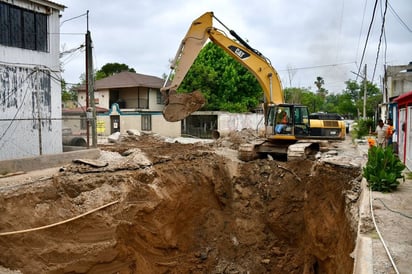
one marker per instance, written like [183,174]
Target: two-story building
[30,86]
[398,106]
[134,101]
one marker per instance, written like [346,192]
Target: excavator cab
[288,122]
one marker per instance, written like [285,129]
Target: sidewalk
[387,230]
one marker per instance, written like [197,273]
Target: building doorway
[114,124]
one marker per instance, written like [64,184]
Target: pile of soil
[182,208]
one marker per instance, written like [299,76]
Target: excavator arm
[179,106]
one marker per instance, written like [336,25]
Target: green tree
[293,95]
[321,91]
[313,101]
[110,69]
[319,82]
[68,94]
[224,82]
[352,90]
[303,96]
[346,106]
[373,98]
[355,92]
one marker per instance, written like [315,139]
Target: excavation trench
[182,209]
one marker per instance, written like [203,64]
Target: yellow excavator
[287,127]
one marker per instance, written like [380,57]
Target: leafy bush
[383,169]
[362,128]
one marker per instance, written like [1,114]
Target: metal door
[114,124]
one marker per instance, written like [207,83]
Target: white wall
[234,122]
[27,92]
[153,105]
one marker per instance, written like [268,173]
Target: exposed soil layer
[182,208]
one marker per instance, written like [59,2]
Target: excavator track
[296,151]
[302,150]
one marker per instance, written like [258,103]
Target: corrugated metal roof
[127,79]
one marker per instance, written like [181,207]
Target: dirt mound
[182,208]
[235,138]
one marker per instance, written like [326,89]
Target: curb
[46,161]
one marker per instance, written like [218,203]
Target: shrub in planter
[383,169]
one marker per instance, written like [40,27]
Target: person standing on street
[389,132]
[381,132]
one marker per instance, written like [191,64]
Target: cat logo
[239,52]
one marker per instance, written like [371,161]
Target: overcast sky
[303,39]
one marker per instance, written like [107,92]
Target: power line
[81,15]
[367,37]
[360,32]
[399,18]
[319,66]
[380,38]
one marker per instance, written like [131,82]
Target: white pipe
[380,235]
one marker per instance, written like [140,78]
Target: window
[159,98]
[22,28]
[146,122]
[325,116]
[143,98]
[83,121]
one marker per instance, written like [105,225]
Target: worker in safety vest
[389,132]
[285,118]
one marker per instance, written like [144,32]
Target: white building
[133,101]
[30,89]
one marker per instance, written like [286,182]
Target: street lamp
[364,92]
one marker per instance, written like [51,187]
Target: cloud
[316,38]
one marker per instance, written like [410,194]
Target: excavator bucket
[180,105]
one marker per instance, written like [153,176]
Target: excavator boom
[179,106]
[290,136]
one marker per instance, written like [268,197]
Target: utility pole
[90,104]
[365,83]
[87,84]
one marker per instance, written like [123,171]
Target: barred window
[22,28]
[146,122]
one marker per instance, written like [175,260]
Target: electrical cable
[394,211]
[399,18]
[19,108]
[360,32]
[338,38]
[386,47]
[12,120]
[71,56]
[367,38]
[379,233]
[319,66]
[72,18]
[380,39]
[59,223]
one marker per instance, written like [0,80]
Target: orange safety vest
[389,131]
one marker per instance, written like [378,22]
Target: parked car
[349,125]
[72,140]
